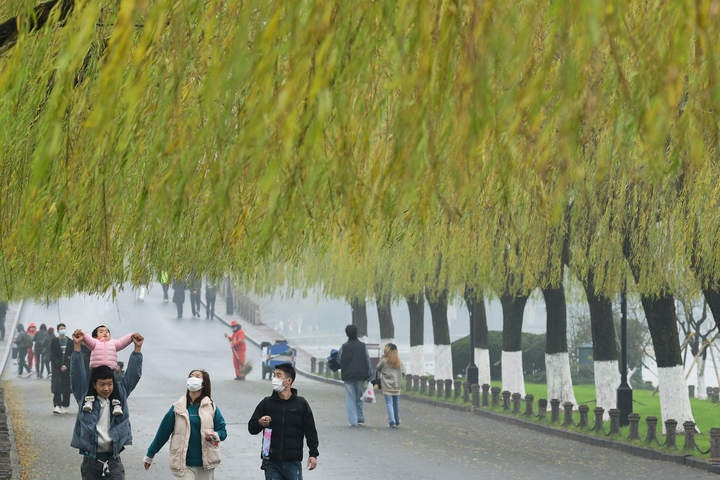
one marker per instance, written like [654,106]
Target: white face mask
[277,384]
[194,384]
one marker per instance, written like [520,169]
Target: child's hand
[78,336]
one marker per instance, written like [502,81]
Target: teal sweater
[194,452]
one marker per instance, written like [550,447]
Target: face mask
[194,384]
[61,333]
[277,384]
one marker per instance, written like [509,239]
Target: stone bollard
[423,384]
[689,428]
[599,412]
[466,392]
[476,395]
[485,396]
[542,408]
[529,398]
[516,397]
[670,433]
[554,410]
[408,383]
[321,368]
[708,392]
[633,422]
[439,384]
[458,388]
[313,361]
[651,435]
[336,374]
[691,391]
[495,394]
[714,446]
[583,409]
[448,388]
[715,395]
[568,409]
[416,383]
[506,400]
[614,421]
[431,387]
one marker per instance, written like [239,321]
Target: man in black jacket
[61,348]
[289,418]
[355,373]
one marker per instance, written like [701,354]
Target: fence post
[634,420]
[614,421]
[423,384]
[714,445]
[458,388]
[516,402]
[321,368]
[554,410]
[495,392]
[408,383]
[599,411]
[689,428]
[651,429]
[542,408]
[670,433]
[439,384]
[431,387]
[529,398]
[568,408]
[448,388]
[476,395]
[416,383]
[313,361]
[506,400]
[485,391]
[583,409]
[466,392]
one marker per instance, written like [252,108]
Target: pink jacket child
[103,350]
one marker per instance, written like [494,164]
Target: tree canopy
[358,144]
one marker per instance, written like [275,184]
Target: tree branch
[41,13]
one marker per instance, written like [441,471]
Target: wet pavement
[432,442]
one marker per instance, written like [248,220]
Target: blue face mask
[61,333]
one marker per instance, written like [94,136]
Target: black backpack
[333,360]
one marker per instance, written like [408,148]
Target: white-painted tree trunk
[700,389]
[674,400]
[607,380]
[482,360]
[559,381]
[513,379]
[443,362]
[417,360]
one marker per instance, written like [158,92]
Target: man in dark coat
[210,295]
[355,372]
[61,348]
[179,296]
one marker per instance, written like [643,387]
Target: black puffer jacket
[292,419]
[354,361]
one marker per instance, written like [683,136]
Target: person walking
[40,342]
[210,295]
[98,435]
[165,284]
[179,296]
[195,428]
[22,343]
[285,418]
[3,314]
[355,373]
[195,288]
[390,371]
[31,331]
[238,347]
[61,348]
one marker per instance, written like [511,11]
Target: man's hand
[312,463]
[265,421]
[138,341]
[78,336]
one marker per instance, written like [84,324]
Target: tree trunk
[441,336]
[478,319]
[513,379]
[557,360]
[712,295]
[662,323]
[700,392]
[359,316]
[387,329]
[416,307]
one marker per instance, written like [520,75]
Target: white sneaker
[88,405]
[57,410]
[64,410]
[116,408]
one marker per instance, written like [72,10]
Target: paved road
[432,442]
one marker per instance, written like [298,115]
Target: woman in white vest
[195,428]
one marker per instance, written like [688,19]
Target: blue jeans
[393,408]
[276,470]
[354,390]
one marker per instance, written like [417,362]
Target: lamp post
[624,392]
[471,371]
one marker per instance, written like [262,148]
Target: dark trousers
[165,287]
[195,303]
[210,307]
[102,468]
[22,364]
[275,470]
[2,330]
[179,306]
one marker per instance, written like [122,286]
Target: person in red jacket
[237,344]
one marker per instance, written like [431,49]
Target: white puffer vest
[181,436]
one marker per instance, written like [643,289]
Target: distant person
[210,295]
[195,288]
[355,373]
[238,347]
[165,284]
[103,352]
[289,418]
[40,344]
[390,370]
[179,296]
[61,348]
[3,314]
[31,331]
[120,371]
[22,342]
[195,428]
[98,435]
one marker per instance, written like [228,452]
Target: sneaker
[87,406]
[28,375]
[393,425]
[57,410]
[64,410]
[116,407]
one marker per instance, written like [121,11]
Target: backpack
[333,360]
